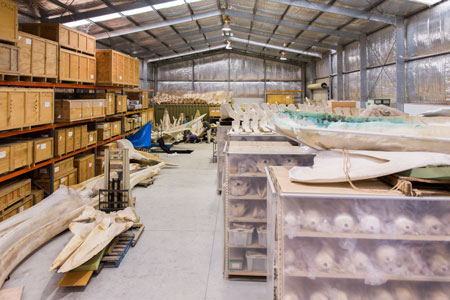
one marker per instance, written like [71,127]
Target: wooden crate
[115,68]
[121,103]
[98,108]
[101,149]
[116,128]
[110,105]
[76,67]
[76,138]
[92,137]
[144,118]
[38,57]
[84,136]
[19,207]
[65,36]
[8,21]
[100,165]
[60,141]
[68,178]
[21,153]
[42,149]
[21,107]
[86,167]
[5,158]
[280,99]
[69,139]
[104,131]
[9,60]
[13,191]
[38,196]
[60,167]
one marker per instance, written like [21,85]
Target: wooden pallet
[146,182]
[37,79]
[117,249]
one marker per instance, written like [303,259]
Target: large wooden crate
[86,167]
[8,21]
[84,136]
[65,36]
[38,196]
[92,137]
[20,206]
[76,67]
[9,60]
[69,139]
[99,165]
[68,178]
[60,141]
[76,138]
[38,57]
[74,110]
[104,131]
[12,192]
[121,103]
[115,68]
[61,167]
[42,149]
[22,107]
[5,158]
[116,128]
[21,154]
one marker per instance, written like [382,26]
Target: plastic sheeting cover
[177,71]
[280,71]
[246,68]
[143,137]
[322,67]
[211,68]
[379,45]
[352,57]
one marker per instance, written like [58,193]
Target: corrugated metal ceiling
[152,42]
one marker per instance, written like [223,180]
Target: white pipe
[186,53]
[315,54]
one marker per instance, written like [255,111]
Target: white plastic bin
[262,237]
[256,261]
[240,236]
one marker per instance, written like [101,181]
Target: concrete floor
[179,255]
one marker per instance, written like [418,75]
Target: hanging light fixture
[283,55]
[226,25]
[228,47]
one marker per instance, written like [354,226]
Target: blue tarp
[142,138]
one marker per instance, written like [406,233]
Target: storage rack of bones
[245,201]
[330,241]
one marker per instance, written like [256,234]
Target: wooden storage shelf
[247,220]
[247,273]
[59,85]
[252,175]
[367,236]
[254,246]
[25,170]
[363,276]
[247,197]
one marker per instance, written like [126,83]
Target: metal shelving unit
[304,260]
[243,166]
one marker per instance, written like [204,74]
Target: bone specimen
[246,166]
[265,162]
[238,208]
[239,187]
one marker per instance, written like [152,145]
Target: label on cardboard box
[92,76]
[38,146]
[70,133]
[44,146]
[2,154]
[109,98]
[91,139]
[21,209]
[47,104]
[90,165]
[27,41]
[120,77]
[56,169]
[115,125]
[63,179]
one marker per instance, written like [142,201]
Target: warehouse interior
[225,149]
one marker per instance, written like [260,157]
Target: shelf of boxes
[245,198]
[331,239]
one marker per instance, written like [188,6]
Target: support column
[330,77]
[400,61]
[229,72]
[303,78]
[340,69]
[155,78]
[144,75]
[193,70]
[363,70]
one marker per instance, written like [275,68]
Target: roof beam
[283,37]
[185,53]
[194,44]
[353,13]
[264,54]
[175,21]
[265,45]
[342,34]
[102,11]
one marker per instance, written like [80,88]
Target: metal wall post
[363,70]
[400,61]
[144,74]
[303,78]
[155,78]
[193,70]
[340,69]
[330,77]
[229,72]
